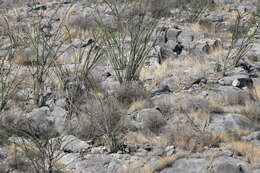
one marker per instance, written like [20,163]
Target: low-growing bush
[103,122]
[129,93]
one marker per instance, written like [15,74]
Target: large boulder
[194,103]
[188,165]
[56,117]
[228,95]
[223,123]
[99,164]
[230,165]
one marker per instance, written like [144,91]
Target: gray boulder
[228,80]
[222,123]
[252,136]
[172,34]
[99,164]
[256,171]
[59,117]
[72,144]
[228,95]
[188,166]
[255,51]
[24,94]
[42,113]
[146,114]
[230,165]
[194,103]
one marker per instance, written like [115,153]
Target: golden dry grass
[159,165]
[250,151]
[139,138]
[257,91]
[197,28]
[251,109]
[138,168]
[139,104]
[180,70]
[164,162]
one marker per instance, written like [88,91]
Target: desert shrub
[244,30]
[76,81]
[189,139]
[9,75]
[129,93]
[127,46]
[155,124]
[3,168]
[106,122]
[38,142]
[3,138]
[192,133]
[20,163]
[161,8]
[197,8]
[42,45]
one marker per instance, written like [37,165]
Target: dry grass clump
[154,124]
[140,104]
[247,149]
[161,8]
[204,26]
[250,109]
[102,123]
[129,93]
[164,162]
[160,164]
[182,70]
[257,91]
[138,168]
[191,138]
[140,138]
[20,164]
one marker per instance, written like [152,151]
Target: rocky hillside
[129,86]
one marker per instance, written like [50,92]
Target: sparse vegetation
[108,122]
[10,79]
[134,33]
[82,87]
[38,142]
[243,32]
[198,8]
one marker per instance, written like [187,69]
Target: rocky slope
[185,114]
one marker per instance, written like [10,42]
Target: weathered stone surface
[145,114]
[228,95]
[230,165]
[72,144]
[229,79]
[188,166]
[230,122]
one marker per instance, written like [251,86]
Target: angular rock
[72,144]
[188,166]
[229,79]
[223,123]
[230,165]
[228,95]
[252,136]
[146,114]
[172,34]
